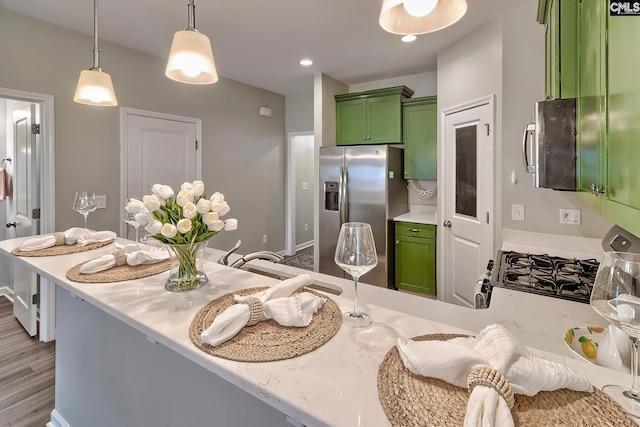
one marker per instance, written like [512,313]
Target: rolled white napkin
[453,360]
[280,303]
[127,254]
[73,236]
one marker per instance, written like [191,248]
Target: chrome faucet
[266,255]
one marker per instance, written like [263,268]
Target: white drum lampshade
[95,88]
[395,18]
[191,59]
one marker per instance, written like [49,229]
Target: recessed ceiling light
[408,38]
[306,62]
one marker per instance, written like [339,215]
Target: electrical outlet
[101,202]
[570,216]
[517,212]
[305,186]
[306,227]
[265,239]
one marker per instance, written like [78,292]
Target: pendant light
[191,58]
[420,16]
[94,85]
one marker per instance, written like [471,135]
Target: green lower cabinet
[416,257]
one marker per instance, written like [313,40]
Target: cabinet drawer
[415,230]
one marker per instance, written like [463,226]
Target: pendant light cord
[96,50]
[191,16]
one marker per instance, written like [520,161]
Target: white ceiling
[260,42]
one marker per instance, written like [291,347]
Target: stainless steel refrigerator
[361,183]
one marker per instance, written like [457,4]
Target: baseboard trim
[305,245]
[57,420]
[6,292]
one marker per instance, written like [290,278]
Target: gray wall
[299,112]
[506,57]
[243,152]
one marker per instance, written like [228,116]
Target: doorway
[467,202]
[30,207]
[300,185]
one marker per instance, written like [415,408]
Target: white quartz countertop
[418,218]
[335,385]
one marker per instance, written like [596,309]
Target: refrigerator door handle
[343,207]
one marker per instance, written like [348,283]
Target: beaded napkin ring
[121,258]
[255,308]
[60,238]
[484,375]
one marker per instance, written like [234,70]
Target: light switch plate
[517,212]
[101,202]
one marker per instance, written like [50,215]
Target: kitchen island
[124,357]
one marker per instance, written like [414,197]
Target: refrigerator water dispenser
[331,192]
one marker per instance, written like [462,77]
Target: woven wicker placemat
[61,249]
[413,400]
[266,341]
[118,274]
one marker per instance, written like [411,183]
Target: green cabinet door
[419,134]
[591,102]
[351,122]
[560,20]
[416,258]
[623,111]
[371,117]
[384,119]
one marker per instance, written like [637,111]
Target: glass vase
[186,267]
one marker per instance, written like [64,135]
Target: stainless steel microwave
[549,144]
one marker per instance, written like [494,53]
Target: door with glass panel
[466,227]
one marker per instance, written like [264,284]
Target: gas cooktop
[546,275]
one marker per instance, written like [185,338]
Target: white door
[24,202]
[467,208]
[158,149]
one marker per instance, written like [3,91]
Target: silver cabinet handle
[595,189]
[447,223]
[414,230]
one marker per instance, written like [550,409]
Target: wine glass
[356,254]
[130,217]
[84,204]
[616,297]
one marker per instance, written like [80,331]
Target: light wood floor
[26,374]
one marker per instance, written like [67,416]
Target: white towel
[73,236]
[4,184]
[131,254]
[280,303]
[453,360]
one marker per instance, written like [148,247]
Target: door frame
[125,112]
[47,181]
[443,238]
[290,193]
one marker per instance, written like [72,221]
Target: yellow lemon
[589,348]
[597,329]
[568,337]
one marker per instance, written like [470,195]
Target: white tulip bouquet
[183,221]
[183,218]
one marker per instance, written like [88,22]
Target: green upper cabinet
[419,134]
[622,188]
[591,102]
[372,117]
[559,18]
